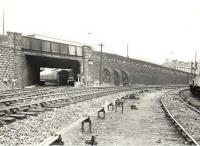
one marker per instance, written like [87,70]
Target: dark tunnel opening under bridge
[35,63]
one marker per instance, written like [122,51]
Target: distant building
[180,65]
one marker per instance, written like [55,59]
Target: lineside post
[119,103]
[101,111]
[88,120]
[111,104]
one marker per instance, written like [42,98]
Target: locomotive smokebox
[63,77]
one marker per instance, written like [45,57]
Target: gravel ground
[146,125]
[34,130]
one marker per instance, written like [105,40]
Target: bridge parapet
[39,46]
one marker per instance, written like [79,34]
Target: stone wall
[10,48]
[7,65]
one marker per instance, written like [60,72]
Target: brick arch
[125,77]
[106,75]
[117,77]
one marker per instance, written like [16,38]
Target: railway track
[40,95]
[183,116]
[47,123]
[20,107]
[31,92]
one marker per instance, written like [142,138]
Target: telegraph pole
[127,51]
[101,45]
[3,22]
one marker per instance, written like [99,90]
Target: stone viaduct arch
[125,77]
[115,76]
[107,75]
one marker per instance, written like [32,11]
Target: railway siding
[59,104]
[47,100]
[47,123]
[185,117]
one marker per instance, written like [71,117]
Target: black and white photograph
[99,72]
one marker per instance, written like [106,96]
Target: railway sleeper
[28,113]
[180,130]
[2,104]
[186,137]
[36,110]
[14,110]
[188,140]
[17,116]
[24,108]
[35,105]
[55,106]
[7,119]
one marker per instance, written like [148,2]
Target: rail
[177,123]
[193,108]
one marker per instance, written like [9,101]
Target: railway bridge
[22,57]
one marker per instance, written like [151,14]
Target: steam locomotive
[57,77]
[195,86]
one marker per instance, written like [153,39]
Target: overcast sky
[154,29]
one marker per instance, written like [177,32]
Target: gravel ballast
[34,130]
